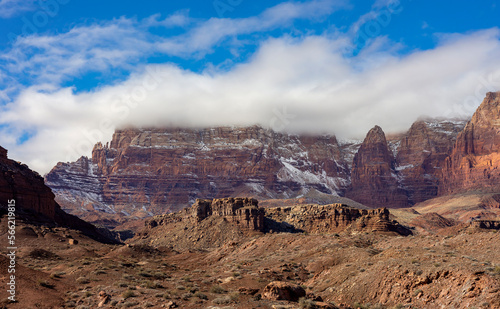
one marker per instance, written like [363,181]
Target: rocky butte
[242,216]
[372,180]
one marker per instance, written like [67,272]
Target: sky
[73,71]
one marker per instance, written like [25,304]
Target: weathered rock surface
[34,200]
[278,290]
[474,163]
[374,181]
[143,172]
[335,218]
[486,224]
[421,155]
[243,212]
[26,187]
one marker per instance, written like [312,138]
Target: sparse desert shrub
[496,270]
[217,289]
[305,303]
[42,254]
[122,284]
[200,295]
[129,304]
[160,275]
[187,295]
[417,291]
[145,274]
[225,300]
[45,284]
[180,287]
[128,294]
[152,285]
[58,274]
[234,296]
[99,272]
[82,280]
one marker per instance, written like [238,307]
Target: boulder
[278,290]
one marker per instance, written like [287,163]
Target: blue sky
[72,71]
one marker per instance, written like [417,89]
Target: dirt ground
[458,269]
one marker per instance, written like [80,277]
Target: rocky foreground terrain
[437,247]
[230,253]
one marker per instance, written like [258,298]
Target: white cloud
[122,42]
[310,78]
[9,8]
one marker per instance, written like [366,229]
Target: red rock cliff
[474,163]
[150,171]
[421,155]
[18,182]
[374,181]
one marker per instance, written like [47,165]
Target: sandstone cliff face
[35,201]
[475,160]
[242,212]
[374,180]
[421,155]
[26,187]
[150,171]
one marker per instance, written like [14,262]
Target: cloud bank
[309,84]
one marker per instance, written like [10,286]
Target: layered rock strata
[374,181]
[474,163]
[34,201]
[243,212]
[335,218]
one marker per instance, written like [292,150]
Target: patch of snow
[257,187]
[403,167]
[290,173]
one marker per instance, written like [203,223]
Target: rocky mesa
[213,222]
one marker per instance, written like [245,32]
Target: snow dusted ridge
[151,171]
[143,172]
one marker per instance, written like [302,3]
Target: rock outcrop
[486,224]
[474,163]
[34,201]
[335,218]
[26,187]
[278,290]
[243,212]
[374,181]
[315,219]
